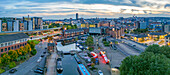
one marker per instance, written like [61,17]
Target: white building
[9,26]
[25,25]
[16,25]
[143,25]
[0,25]
[167,28]
[30,25]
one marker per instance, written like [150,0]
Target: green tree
[5,59]
[147,63]
[159,50]
[13,54]
[89,41]
[12,65]
[34,51]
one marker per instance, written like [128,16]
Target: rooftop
[12,37]
[157,33]
[140,36]
[167,36]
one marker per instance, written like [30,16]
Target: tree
[28,48]
[165,50]
[147,63]
[5,59]
[159,50]
[93,60]
[19,52]
[34,51]
[13,54]
[12,65]
[89,41]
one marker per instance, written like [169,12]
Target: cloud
[86,8]
[167,6]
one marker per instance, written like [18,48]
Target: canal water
[67,48]
[69,63]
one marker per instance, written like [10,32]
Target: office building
[167,28]
[77,16]
[143,25]
[25,25]
[0,25]
[37,23]
[9,26]
[16,25]
[29,25]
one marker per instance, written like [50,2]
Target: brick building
[12,42]
[72,32]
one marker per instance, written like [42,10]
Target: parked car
[42,55]
[100,72]
[40,58]
[12,70]
[38,71]
[44,52]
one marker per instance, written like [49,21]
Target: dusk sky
[61,9]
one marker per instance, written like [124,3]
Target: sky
[61,9]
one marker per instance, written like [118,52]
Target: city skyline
[57,9]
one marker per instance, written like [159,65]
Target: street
[27,66]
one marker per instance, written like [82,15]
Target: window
[12,47]
[5,49]
[9,43]
[5,44]
[2,45]
[9,48]
[18,46]
[15,47]
[25,43]
[2,50]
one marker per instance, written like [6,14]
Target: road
[127,49]
[28,65]
[134,43]
[115,56]
[105,68]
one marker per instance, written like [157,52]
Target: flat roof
[12,37]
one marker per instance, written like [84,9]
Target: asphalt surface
[105,68]
[127,49]
[26,67]
[134,43]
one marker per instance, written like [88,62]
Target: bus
[82,70]
[104,57]
[94,54]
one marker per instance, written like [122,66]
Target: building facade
[167,28]
[37,23]
[16,25]
[167,40]
[9,26]
[12,42]
[0,25]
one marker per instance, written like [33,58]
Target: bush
[34,51]
[1,70]
[106,43]
[90,49]
[12,65]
